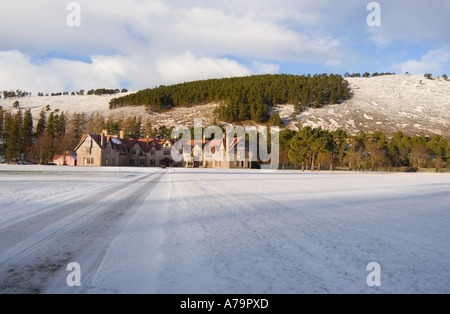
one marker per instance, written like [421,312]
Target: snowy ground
[222,231]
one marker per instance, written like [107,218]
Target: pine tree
[340,139]
[13,145]
[275,119]
[60,125]
[438,146]
[42,123]
[7,122]
[27,132]
[52,125]
[163,132]
[2,121]
[447,156]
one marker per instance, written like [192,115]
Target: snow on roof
[116,141]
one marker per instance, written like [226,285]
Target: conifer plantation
[243,98]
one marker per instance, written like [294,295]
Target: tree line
[82,92]
[56,132]
[14,94]
[243,98]
[367,74]
[313,148]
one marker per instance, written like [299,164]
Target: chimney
[121,134]
[103,140]
[105,132]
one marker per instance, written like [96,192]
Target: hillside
[243,98]
[410,103]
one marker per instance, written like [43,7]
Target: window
[131,162]
[153,152]
[88,161]
[133,152]
[88,150]
[152,162]
[142,162]
[166,152]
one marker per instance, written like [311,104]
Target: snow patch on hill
[409,103]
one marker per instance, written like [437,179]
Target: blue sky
[138,44]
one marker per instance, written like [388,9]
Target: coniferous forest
[243,98]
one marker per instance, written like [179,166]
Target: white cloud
[146,43]
[435,61]
[151,42]
[18,72]
[265,68]
[188,67]
[57,75]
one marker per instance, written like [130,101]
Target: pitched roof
[68,154]
[217,142]
[97,139]
[145,144]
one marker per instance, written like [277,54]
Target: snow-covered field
[222,231]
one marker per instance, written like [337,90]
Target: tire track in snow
[83,234]
[66,198]
[15,232]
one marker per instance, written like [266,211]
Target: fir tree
[51,125]
[2,121]
[27,132]
[275,119]
[13,145]
[42,123]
